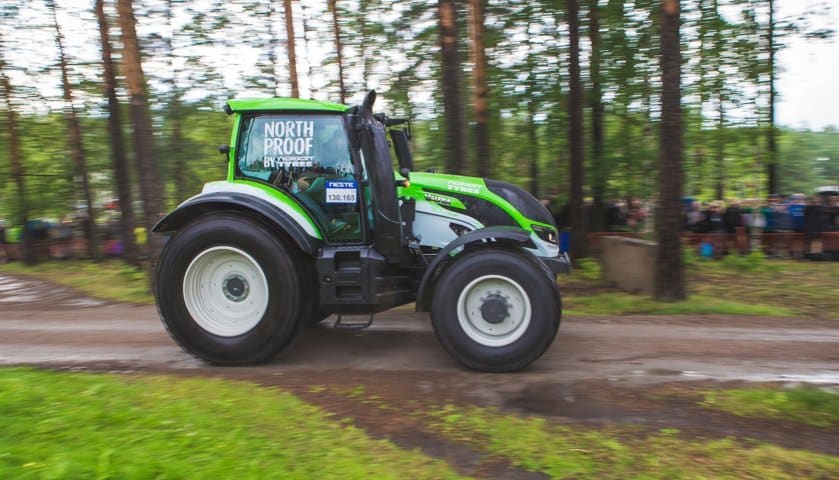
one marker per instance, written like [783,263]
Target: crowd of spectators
[780,213]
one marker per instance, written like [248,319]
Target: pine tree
[669,277]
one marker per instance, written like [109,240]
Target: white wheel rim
[225,291]
[499,329]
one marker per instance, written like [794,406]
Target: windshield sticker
[463,187]
[288,144]
[341,191]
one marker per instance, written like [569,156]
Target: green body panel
[231,156]
[461,185]
[287,104]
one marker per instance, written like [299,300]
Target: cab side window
[308,156]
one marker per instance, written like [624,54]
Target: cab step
[341,325]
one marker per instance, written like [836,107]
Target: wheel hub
[225,291]
[235,288]
[495,308]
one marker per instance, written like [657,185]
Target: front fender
[494,234]
[221,200]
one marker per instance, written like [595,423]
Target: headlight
[547,234]
[458,229]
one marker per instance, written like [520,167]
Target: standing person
[811,226]
[694,216]
[757,223]
[715,217]
[732,218]
[796,212]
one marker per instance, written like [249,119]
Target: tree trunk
[336,28]
[532,108]
[15,158]
[720,153]
[273,41]
[575,133]
[118,160]
[533,139]
[600,172]
[74,136]
[141,120]
[772,148]
[174,112]
[304,22]
[669,279]
[480,88]
[452,83]
[292,57]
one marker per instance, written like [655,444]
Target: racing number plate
[341,191]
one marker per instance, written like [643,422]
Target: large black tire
[242,301]
[481,304]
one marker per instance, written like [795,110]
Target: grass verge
[616,303]
[108,280]
[72,425]
[810,406]
[736,285]
[561,451]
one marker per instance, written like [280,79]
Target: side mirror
[224,149]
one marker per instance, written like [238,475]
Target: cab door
[308,156]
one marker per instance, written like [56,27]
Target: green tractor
[314,221]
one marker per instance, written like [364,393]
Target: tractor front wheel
[495,310]
[228,289]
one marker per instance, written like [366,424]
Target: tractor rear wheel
[228,289]
[495,310]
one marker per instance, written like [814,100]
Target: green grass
[804,287]
[616,303]
[85,426]
[562,451]
[805,405]
[736,285]
[108,280]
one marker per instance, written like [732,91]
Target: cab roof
[278,104]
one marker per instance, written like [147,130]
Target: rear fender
[268,210]
[496,235]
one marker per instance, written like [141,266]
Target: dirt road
[599,369]
[44,324]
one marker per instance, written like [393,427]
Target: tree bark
[532,108]
[174,112]
[292,56]
[452,83]
[273,41]
[118,161]
[720,153]
[575,133]
[141,120]
[336,28]
[669,279]
[15,158]
[772,148]
[480,91]
[74,137]
[599,170]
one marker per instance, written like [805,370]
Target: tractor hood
[489,201]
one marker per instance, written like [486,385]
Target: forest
[119,101]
